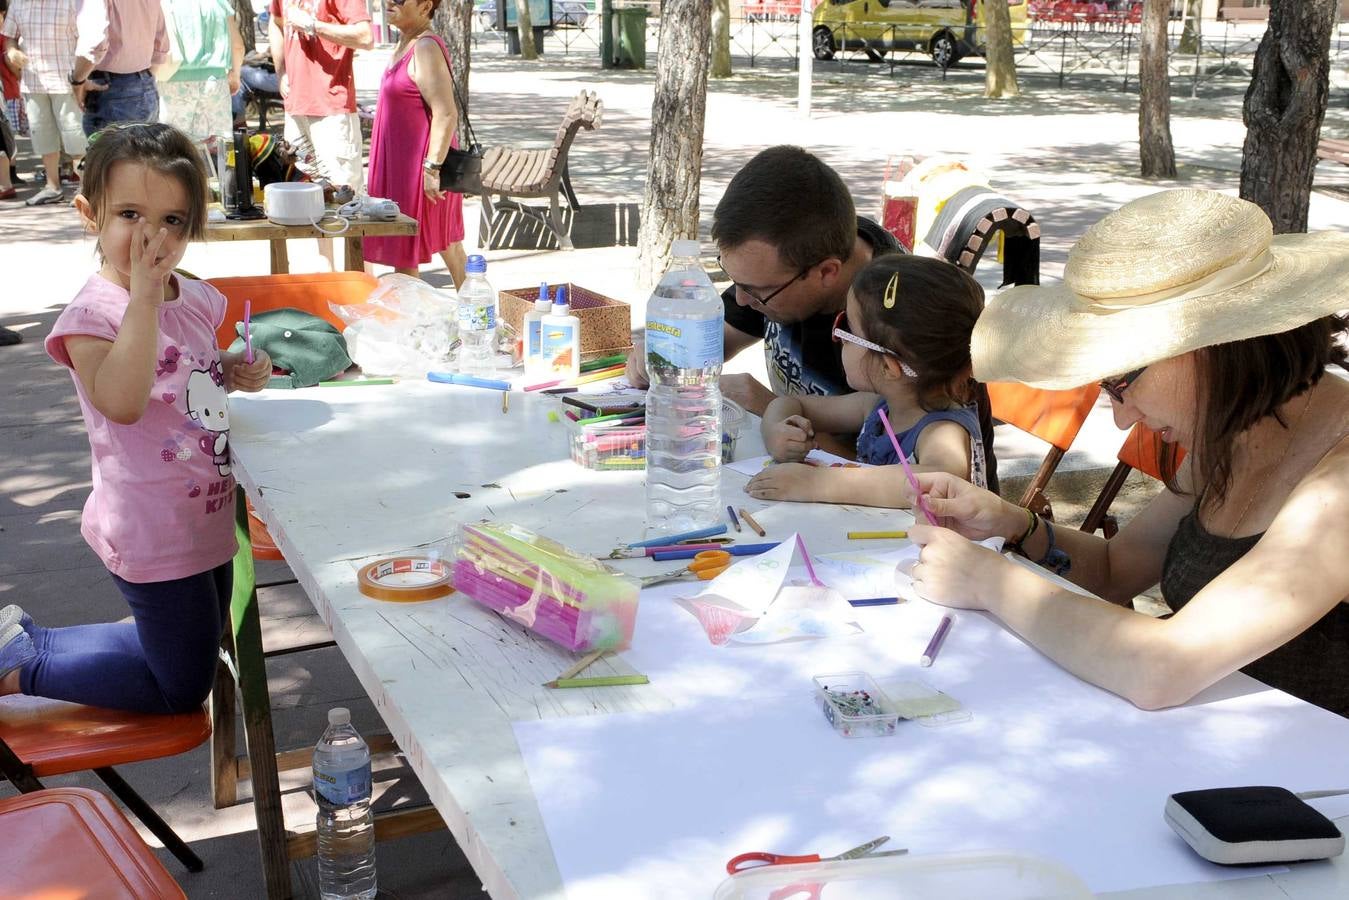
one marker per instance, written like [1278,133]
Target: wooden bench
[515,174]
[1333,150]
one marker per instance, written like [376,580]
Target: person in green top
[206,53]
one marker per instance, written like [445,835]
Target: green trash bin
[630,37]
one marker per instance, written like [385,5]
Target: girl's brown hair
[932,309]
[162,148]
[1240,383]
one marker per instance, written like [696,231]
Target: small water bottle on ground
[683,404]
[477,320]
[346,829]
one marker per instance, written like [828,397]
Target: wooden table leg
[356,254]
[224,767]
[280,257]
[257,708]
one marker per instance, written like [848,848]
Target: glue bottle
[534,334]
[561,334]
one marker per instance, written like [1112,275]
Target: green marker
[355,381]
[600,681]
[603,362]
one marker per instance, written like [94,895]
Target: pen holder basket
[573,600]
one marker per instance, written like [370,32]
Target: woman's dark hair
[928,326]
[1240,383]
[162,148]
[788,198]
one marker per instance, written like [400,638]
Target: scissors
[706,565]
[760,859]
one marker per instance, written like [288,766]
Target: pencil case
[571,599]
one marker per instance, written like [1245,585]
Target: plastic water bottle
[346,829]
[477,320]
[683,404]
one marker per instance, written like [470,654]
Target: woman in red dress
[414,128]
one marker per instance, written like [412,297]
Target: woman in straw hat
[1207,328]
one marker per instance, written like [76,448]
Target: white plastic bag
[405,327]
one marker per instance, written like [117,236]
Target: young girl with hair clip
[906,335]
[141,344]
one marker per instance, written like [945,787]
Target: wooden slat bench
[515,174]
[1333,150]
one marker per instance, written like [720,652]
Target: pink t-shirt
[163,500]
[318,71]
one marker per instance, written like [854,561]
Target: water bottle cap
[681,249]
[476,265]
[339,716]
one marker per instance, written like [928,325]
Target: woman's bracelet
[1032,524]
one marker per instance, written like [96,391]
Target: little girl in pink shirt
[140,342]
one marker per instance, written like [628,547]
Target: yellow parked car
[947,29]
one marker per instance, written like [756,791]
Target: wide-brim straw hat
[1157,278]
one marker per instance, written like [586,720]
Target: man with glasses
[790,241]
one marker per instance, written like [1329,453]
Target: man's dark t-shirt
[802,358]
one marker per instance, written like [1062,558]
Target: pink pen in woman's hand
[248,332]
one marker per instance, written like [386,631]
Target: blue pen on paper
[733,549]
[730,513]
[874,601]
[676,538]
[934,646]
[468,381]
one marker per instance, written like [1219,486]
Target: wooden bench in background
[1333,150]
[515,174]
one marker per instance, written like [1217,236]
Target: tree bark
[525,26]
[675,162]
[1157,155]
[1284,108]
[721,38]
[1190,37]
[454,23]
[1000,68]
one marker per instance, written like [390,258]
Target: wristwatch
[430,166]
[73,82]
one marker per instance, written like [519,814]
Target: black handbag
[461,171]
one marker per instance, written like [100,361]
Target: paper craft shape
[754,465]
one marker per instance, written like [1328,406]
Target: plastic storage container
[948,876]
[855,705]
[607,448]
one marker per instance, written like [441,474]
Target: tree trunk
[1190,37]
[525,27]
[721,38]
[1156,153]
[454,23]
[675,162]
[1284,108]
[1000,68]
[248,24]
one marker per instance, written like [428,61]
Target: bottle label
[343,788]
[477,317]
[533,346]
[559,347]
[683,343]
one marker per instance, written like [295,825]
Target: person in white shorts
[46,31]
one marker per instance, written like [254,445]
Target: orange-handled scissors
[705,566]
[755,860]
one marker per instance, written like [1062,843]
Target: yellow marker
[877,535]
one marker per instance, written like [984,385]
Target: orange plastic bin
[72,842]
[309,292]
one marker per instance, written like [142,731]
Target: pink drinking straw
[920,499]
[248,332]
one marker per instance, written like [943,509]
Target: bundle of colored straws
[571,599]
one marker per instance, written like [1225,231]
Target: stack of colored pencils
[570,599]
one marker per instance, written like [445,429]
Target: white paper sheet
[755,464]
[653,805]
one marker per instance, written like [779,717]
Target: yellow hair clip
[891,291]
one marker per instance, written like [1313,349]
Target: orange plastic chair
[1140,451]
[72,842]
[310,293]
[1052,416]
[40,737]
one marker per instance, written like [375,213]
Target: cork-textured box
[606,326]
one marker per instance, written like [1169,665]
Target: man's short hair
[790,199]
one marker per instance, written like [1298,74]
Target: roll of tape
[405,579]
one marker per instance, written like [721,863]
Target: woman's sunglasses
[1116,386]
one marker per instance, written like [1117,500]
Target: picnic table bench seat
[514,173]
[1333,150]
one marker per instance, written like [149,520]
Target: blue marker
[686,536]
[468,381]
[733,549]
[875,601]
